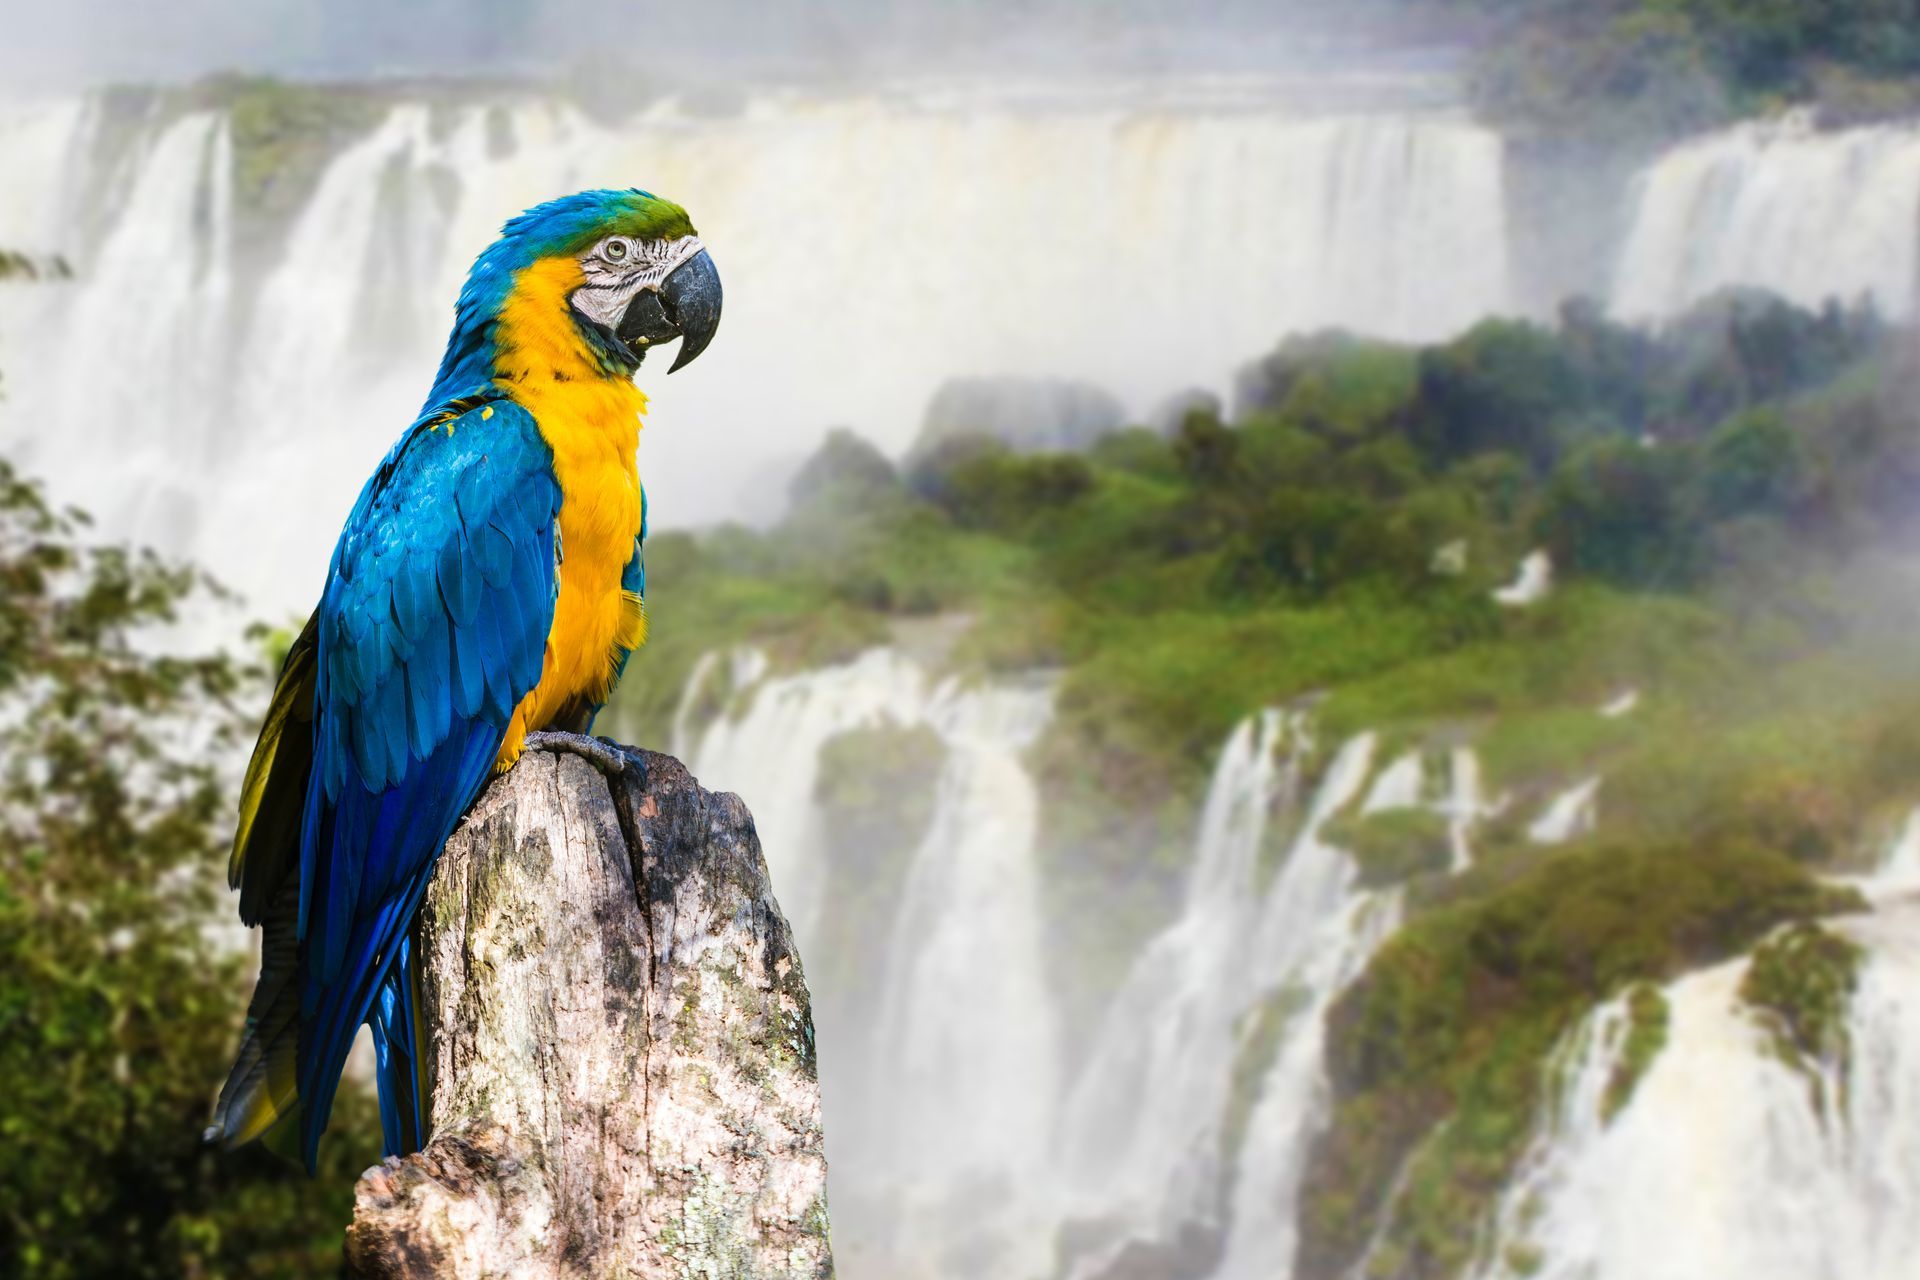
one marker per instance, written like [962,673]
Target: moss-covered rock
[1392,846]
[1799,983]
[1648,1018]
[1436,1053]
[283,136]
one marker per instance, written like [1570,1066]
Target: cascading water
[134,380]
[959,1148]
[49,151]
[941,1100]
[844,226]
[1780,205]
[1317,932]
[1239,986]
[231,417]
[1573,812]
[1730,1160]
[279,392]
[772,753]
[1141,1140]
[967,1031]
[1466,805]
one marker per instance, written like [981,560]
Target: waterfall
[1569,814]
[959,1149]
[1398,786]
[1466,805]
[49,150]
[771,752]
[1727,1160]
[128,395]
[1808,214]
[960,1140]
[1141,1133]
[1531,582]
[1899,872]
[317,298]
[941,1100]
[1225,1012]
[237,410]
[844,226]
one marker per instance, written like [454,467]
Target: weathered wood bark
[621,1047]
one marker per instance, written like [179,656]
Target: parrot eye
[616,249]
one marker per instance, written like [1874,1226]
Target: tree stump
[620,1046]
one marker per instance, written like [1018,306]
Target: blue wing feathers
[459,583]
[432,629]
[468,685]
[493,552]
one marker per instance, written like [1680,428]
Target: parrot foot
[598,752]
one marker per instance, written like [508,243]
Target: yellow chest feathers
[592,423]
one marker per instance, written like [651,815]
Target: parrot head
[624,267]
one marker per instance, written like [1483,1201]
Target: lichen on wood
[621,1061]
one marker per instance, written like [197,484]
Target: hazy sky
[58,43]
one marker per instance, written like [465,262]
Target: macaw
[484,596]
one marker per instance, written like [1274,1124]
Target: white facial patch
[619,268]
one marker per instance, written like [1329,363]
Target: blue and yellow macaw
[488,586]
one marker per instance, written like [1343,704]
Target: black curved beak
[686,306]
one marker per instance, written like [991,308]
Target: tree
[119,1007]
[1613,509]
[1503,385]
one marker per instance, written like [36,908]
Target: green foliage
[1436,1052]
[1504,387]
[1648,1019]
[1177,583]
[1136,451]
[997,489]
[1815,759]
[1393,845]
[1753,466]
[119,1010]
[1800,982]
[1618,70]
[1333,385]
[282,134]
[1614,510]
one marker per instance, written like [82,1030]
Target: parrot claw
[598,752]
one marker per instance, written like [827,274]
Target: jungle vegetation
[1728,503]
[120,981]
[1660,68]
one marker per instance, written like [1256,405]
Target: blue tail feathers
[397,1061]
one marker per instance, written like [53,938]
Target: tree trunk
[619,1042]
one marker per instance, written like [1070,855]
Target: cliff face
[621,1051]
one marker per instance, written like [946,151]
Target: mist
[103,41]
[1308,598]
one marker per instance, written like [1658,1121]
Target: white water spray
[1728,1160]
[941,1160]
[1781,205]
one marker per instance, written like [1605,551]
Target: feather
[459,581]
[266,841]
